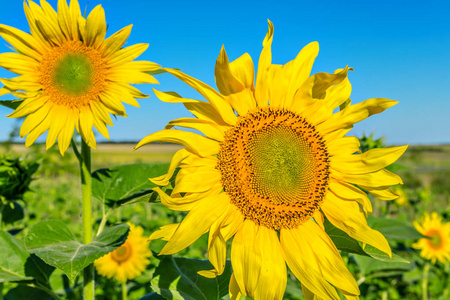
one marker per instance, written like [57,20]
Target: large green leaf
[177,278]
[348,244]
[11,103]
[55,244]
[368,265]
[12,259]
[122,184]
[22,292]
[394,229]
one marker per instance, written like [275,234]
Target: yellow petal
[304,265]
[273,274]
[226,82]
[242,102]
[355,113]
[347,191]
[222,107]
[347,216]
[198,144]
[369,161]
[116,41]
[322,255]
[258,263]
[338,94]
[246,259]
[86,121]
[243,70]
[66,133]
[34,119]
[375,179]
[28,106]
[141,65]
[343,146]
[382,193]
[131,76]
[24,43]
[233,288]
[125,55]
[38,130]
[197,222]
[185,203]
[18,63]
[109,99]
[65,20]
[26,83]
[210,129]
[197,179]
[265,59]
[172,97]
[176,159]
[284,81]
[100,112]
[95,27]
[59,116]
[205,111]
[165,232]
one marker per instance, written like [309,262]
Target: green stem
[124,290]
[86,191]
[426,268]
[1,290]
[103,221]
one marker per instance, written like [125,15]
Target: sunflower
[129,260]
[272,162]
[436,245]
[70,75]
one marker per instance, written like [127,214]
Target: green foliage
[11,103]
[15,177]
[368,142]
[176,278]
[55,244]
[123,184]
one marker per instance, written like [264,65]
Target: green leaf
[12,212]
[12,259]
[368,265]
[342,240]
[394,229]
[11,103]
[56,245]
[122,184]
[25,292]
[152,296]
[177,278]
[348,244]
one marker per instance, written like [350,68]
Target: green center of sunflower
[73,74]
[435,239]
[275,167]
[122,253]
[282,161]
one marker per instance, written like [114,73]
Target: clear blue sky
[399,50]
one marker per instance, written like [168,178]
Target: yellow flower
[70,75]
[402,199]
[272,163]
[127,261]
[437,243]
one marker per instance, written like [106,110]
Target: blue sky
[399,50]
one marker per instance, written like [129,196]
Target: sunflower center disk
[72,74]
[122,253]
[274,167]
[435,239]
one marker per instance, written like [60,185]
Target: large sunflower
[273,162]
[436,245]
[129,260]
[70,75]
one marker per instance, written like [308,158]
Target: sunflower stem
[426,268]
[86,191]
[124,290]
[1,290]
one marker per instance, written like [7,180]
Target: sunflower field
[263,193]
